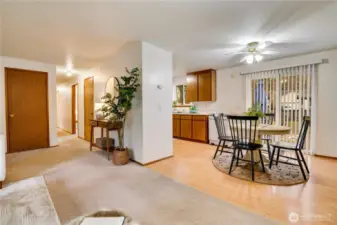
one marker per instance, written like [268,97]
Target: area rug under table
[91,183]
[282,174]
[27,203]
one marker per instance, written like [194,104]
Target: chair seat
[226,138]
[284,145]
[248,146]
[266,138]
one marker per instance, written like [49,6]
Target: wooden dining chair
[243,130]
[297,148]
[223,137]
[267,119]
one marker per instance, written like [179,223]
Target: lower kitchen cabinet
[176,126]
[191,127]
[186,127]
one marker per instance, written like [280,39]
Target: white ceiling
[196,32]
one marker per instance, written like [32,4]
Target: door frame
[6,104]
[93,107]
[74,120]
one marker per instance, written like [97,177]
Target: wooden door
[192,88]
[176,125]
[186,127]
[200,128]
[27,109]
[73,108]
[88,106]
[206,86]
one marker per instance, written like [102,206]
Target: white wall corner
[157,69]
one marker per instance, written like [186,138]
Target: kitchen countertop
[197,113]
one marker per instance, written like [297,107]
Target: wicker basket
[120,156]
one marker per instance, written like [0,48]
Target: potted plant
[255,110]
[116,109]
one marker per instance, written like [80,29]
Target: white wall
[64,107]
[157,107]
[230,93]
[37,66]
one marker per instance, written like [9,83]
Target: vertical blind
[287,93]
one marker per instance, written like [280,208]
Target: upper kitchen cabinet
[201,86]
[192,88]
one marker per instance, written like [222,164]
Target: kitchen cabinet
[186,127]
[200,128]
[176,126]
[191,89]
[192,127]
[201,86]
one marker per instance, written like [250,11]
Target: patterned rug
[27,203]
[282,174]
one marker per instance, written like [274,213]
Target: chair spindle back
[243,128]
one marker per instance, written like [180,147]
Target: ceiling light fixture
[258,57]
[69,73]
[250,59]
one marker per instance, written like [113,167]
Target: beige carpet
[27,203]
[282,174]
[33,163]
[90,183]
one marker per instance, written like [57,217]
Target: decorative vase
[120,156]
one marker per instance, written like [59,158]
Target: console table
[108,126]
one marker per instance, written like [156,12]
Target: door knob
[11,115]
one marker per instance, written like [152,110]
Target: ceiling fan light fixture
[250,59]
[69,73]
[258,57]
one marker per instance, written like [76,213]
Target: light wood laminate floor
[315,201]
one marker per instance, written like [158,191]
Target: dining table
[266,129]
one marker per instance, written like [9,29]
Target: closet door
[88,105]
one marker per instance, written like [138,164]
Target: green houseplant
[117,107]
[255,110]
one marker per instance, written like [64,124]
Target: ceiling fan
[254,51]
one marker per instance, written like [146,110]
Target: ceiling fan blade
[236,53]
[270,52]
[263,45]
[233,49]
[243,59]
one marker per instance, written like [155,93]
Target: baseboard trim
[54,146]
[136,162]
[152,162]
[65,130]
[82,139]
[327,157]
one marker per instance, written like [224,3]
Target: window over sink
[179,97]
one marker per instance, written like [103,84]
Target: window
[180,95]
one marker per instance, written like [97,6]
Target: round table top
[273,129]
